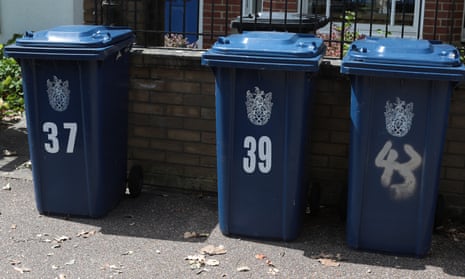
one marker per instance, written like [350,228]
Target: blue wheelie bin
[400,99]
[264,86]
[75,81]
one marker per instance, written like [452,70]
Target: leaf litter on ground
[213,250]
[200,261]
[329,259]
[189,235]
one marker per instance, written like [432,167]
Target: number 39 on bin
[260,150]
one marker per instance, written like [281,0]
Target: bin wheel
[343,203]
[135,181]
[315,193]
[439,214]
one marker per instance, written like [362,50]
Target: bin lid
[267,51]
[71,41]
[403,57]
[75,36]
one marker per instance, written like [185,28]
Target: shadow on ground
[160,215]
[14,150]
[168,216]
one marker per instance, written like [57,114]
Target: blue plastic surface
[72,42]
[267,50]
[262,119]
[407,58]
[398,128]
[77,130]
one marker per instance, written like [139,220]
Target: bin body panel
[86,175]
[76,109]
[393,178]
[261,168]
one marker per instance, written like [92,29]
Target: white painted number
[264,154]
[51,129]
[72,127]
[249,163]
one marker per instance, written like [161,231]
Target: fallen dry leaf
[212,262]
[86,234]
[14,262]
[62,238]
[8,153]
[328,262]
[188,235]
[260,256]
[22,269]
[273,271]
[199,261]
[243,268]
[213,250]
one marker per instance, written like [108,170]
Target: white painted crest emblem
[58,94]
[259,106]
[399,117]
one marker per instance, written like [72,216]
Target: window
[398,17]
[251,7]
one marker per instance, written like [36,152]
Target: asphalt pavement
[167,234]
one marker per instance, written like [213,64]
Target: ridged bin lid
[267,50]
[75,36]
[403,57]
[71,42]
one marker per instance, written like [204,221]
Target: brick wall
[172,127]
[443,20]
[172,120]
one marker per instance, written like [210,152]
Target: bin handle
[104,36]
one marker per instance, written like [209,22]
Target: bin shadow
[160,215]
[14,151]
[323,236]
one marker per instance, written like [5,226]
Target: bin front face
[262,124]
[398,128]
[399,111]
[262,129]
[76,112]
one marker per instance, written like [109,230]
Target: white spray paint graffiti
[399,118]
[259,106]
[387,159]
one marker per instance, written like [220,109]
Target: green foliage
[178,41]
[341,36]
[11,91]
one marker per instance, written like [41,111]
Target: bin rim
[72,51]
[283,50]
[75,36]
[403,57]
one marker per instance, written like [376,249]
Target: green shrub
[11,90]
